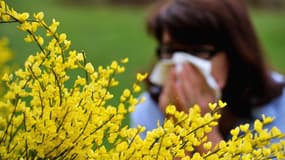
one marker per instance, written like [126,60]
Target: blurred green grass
[270,26]
[109,33]
[104,33]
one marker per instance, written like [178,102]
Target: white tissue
[161,69]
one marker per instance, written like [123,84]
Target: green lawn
[271,31]
[108,33]
[104,33]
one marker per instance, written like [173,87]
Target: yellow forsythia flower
[44,118]
[141,77]
[39,16]
[89,68]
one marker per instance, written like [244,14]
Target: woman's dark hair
[226,25]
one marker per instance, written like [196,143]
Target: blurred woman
[221,33]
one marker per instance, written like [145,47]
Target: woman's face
[219,60]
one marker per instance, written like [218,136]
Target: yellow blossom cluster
[6,53]
[6,56]
[47,120]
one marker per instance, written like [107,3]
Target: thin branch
[59,87]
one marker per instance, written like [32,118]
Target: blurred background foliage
[113,29]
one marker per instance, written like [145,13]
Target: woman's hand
[185,89]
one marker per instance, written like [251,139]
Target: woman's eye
[203,55]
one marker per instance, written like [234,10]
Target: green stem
[84,63]
[59,87]
[160,144]
[199,127]
[36,78]
[64,117]
[15,104]
[26,142]
[57,40]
